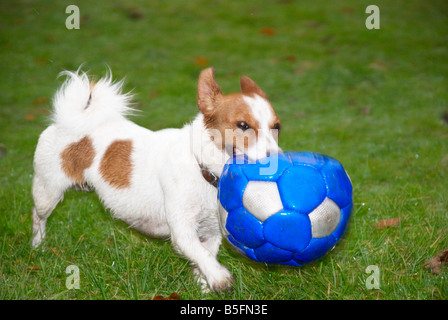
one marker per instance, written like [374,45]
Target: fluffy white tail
[81,105]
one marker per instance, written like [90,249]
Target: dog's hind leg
[45,200]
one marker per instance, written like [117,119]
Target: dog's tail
[81,105]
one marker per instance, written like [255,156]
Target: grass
[371,98]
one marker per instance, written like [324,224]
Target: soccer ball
[288,208]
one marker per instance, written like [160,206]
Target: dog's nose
[268,153]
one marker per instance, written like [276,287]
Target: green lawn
[373,99]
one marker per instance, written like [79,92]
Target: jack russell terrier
[159,182]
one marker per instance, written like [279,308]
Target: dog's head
[239,123]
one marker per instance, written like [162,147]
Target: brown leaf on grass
[33,268]
[387,223]
[348,10]
[40,100]
[201,61]
[435,264]
[268,31]
[173,296]
[290,58]
[30,117]
[50,38]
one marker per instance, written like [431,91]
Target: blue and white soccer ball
[289,208]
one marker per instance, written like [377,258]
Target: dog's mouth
[236,151]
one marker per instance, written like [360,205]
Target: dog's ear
[208,91]
[249,87]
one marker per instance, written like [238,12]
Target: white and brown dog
[154,181]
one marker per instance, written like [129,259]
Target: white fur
[167,197]
[266,143]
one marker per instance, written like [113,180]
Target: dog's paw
[221,282]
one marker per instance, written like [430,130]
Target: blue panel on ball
[302,188]
[291,263]
[267,169]
[316,249]
[242,248]
[231,187]
[339,186]
[271,254]
[288,230]
[245,228]
[316,160]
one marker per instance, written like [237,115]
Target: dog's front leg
[183,223]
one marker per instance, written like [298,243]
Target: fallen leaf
[173,296]
[268,31]
[387,223]
[30,117]
[33,268]
[435,264]
[201,61]
[347,10]
[291,58]
[50,38]
[39,100]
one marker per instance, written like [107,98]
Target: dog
[162,183]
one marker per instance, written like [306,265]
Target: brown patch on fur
[92,86]
[77,157]
[222,113]
[208,91]
[116,164]
[229,111]
[250,88]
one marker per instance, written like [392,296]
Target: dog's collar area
[209,176]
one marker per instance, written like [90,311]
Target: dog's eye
[277,126]
[242,125]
